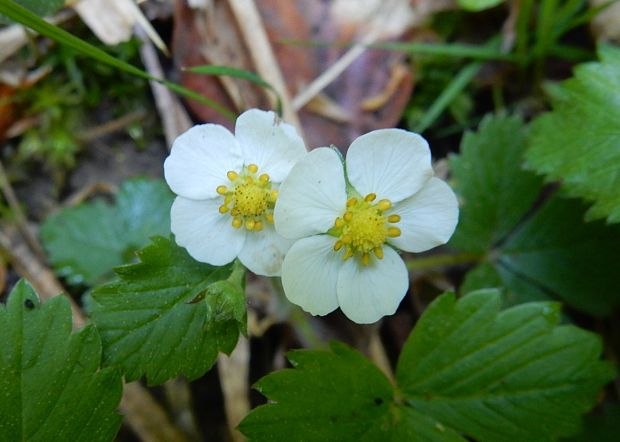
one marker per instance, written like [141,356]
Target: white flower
[347,228]
[227,186]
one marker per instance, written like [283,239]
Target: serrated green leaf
[557,252]
[168,315]
[501,376]
[535,253]
[335,395]
[42,8]
[495,192]
[85,242]
[515,291]
[578,143]
[50,383]
[479,5]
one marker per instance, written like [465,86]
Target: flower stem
[443,261]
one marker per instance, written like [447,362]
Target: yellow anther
[378,251]
[258,225]
[394,218]
[274,195]
[232,175]
[393,232]
[338,245]
[223,209]
[384,205]
[348,216]
[365,259]
[338,223]
[228,199]
[351,202]
[249,179]
[347,253]
[221,190]
[264,178]
[269,217]
[253,168]
[370,197]
[249,224]
[237,223]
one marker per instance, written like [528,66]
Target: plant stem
[429,262]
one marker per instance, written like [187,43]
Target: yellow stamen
[253,168]
[269,217]
[237,223]
[223,209]
[249,224]
[232,175]
[264,178]
[393,232]
[363,228]
[258,226]
[365,259]
[221,190]
[274,195]
[351,202]
[394,218]
[384,205]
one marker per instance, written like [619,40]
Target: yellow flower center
[364,228]
[249,199]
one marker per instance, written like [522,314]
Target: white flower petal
[272,145]
[366,293]
[312,196]
[428,218]
[392,163]
[207,235]
[264,251]
[199,160]
[309,274]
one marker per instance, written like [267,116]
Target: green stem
[433,261]
[460,82]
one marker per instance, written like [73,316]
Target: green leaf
[501,376]
[42,8]
[515,291]
[467,368]
[335,395]
[495,192]
[559,253]
[578,143]
[168,314]
[85,242]
[21,15]
[479,5]
[50,382]
[535,252]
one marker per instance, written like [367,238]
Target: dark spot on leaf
[29,304]
[378,401]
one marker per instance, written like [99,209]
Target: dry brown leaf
[606,25]
[212,37]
